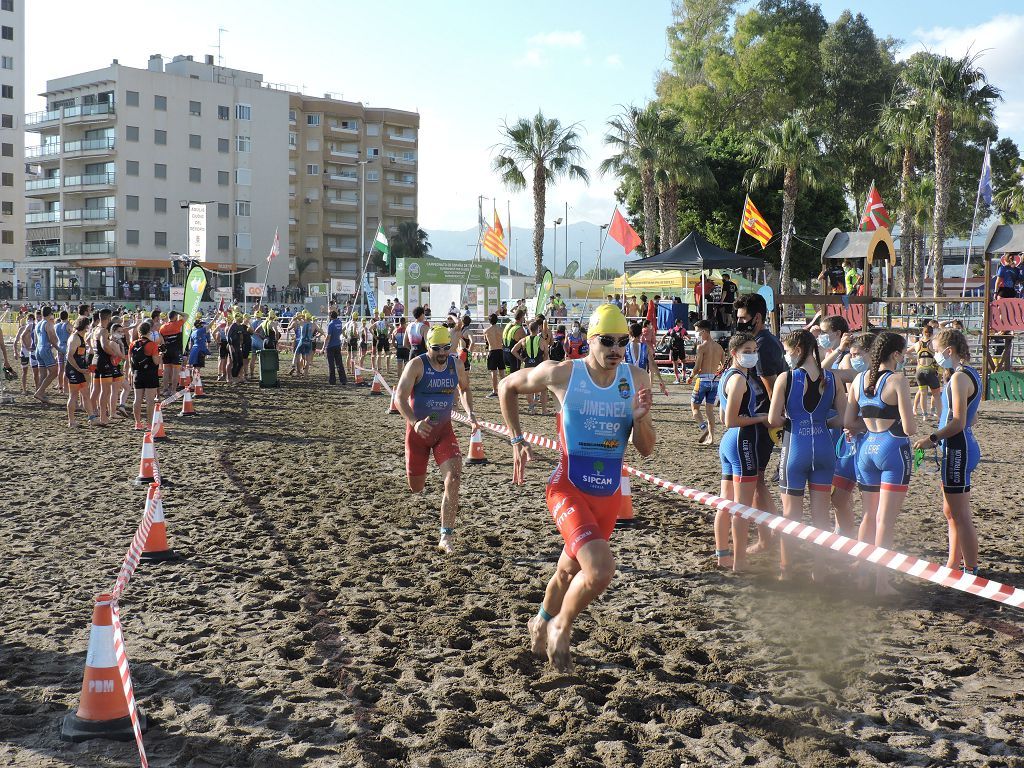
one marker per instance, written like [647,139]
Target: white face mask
[943,361]
[747,359]
[793,361]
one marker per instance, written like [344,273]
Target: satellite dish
[769,296]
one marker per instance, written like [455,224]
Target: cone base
[74,728]
[630,523]
[144,480]
[160,439]
[180,415]
[476,461]
[159,557]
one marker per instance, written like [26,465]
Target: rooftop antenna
[220,57]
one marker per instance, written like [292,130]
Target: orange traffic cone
[358,377]
[376,388]
[394,407]
[198,385]
[625,517]
[184,379]
[187,409]
[148,461]
[156,548]
[103,709]
[476,448]
[158,422]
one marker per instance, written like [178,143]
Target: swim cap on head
[439,336]
[607,318]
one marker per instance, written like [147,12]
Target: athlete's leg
[764,501]
[819,498]
[709,417]
[963,538]
[746,493]
[723,522]
[597,567]
[792,509]
[890,502]
[451,471]
[842,501]
[72,404]
[554,594]
[137,407]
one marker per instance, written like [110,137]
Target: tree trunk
[906,233]
[922,264]
[650,210]
[539,197]
[668,209]
[663,215]
[789,192]
[943,126]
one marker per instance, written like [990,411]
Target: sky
[467,66]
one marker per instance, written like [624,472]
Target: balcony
[90,249]
[43,151]
[348,226]
[401,138]
[400,183]
[347,153]
[347,202]
[34,185]
[87,215]
[348,131]
[342,249]
[76,114]
[39,119]
[401,207]
[42,217]
[90,146]
[347,178]
[48,251]
[90,180]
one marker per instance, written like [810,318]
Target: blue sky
[466,66]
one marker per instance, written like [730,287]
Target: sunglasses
[441,348]
[612,341]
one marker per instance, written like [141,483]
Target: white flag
[275,248]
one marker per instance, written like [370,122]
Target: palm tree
[954,93]
[792,150]
[636,134]
[409,242]
[917,211]
[1009,199]
[546,150]
[681,164]
[303,264]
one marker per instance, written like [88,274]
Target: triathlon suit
[433,398]
[508,340]
[32,359]
[146,371]
[636,354]
[118,360]
[738,449]
[960,452]
[584,493]
[845,473]
[256,338]
[808,454]
[557,350]
[353,337]
[28,341]
[44,349]
[927,369]
[380,342]
[303,339]
[574,346]
[401,352]
[104,364]
[883,458]
[222,342]
[171,331]
[417,338]
[76,379]
[199,347]
[63,331]
[531,351]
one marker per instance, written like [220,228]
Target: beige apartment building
[12,140]
[332,144]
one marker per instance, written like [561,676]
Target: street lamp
[554,248]
[361,264]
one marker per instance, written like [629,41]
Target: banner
[543,291]
[197,231]
[318,289]
[195,285]
[570,271]
[177,293]
[340,285]
[255,290]
[371,297]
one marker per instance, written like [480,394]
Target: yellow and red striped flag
[754,223]
[494,240]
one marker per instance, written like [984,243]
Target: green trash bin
[269,360]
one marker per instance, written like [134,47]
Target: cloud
[613,60]
[575,39]
[532,59]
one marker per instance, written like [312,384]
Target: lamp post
[362,261]
[554,248]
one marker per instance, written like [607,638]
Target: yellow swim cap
[438,336]
[607,318]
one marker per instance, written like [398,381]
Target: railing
[42,251]
[51,183]
[90,179]
[345,153]
[42,217]
[81,110]
[400,137]
[87,249]
[90,214]
[48,116]
[401,206]
[89,145]
[341,201]
[342,224]
[401,183]
[344,177]
[43,150]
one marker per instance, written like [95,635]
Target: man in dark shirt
[834,276]
[332,350]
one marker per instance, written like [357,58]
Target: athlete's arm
[466,394]
[698,361]
[960,385]
[53,336]
[839,403]
[777,409]
[109,346]
[734,390]
[410,376]
[905,402]
[73,344]
[516,349]
[852,422]
[526,381]
[643,436]
[3,348]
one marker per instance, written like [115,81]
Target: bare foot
[445,543]
[724,562]
[558,647]
[538,636]
[757,548]
[739,565]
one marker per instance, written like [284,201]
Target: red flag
[275,248]
[875,215]
[623,234]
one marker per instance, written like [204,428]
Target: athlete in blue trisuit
[808,402]
[881,408]
[641,354]
[960,453]
[605,402]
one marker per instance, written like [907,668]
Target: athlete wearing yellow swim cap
[607,319]
[439,336]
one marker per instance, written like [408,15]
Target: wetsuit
[508,340]
[738,449]
[927,368]
[808,453]
[433,398]
[584,491]
[883,458]
[960,452]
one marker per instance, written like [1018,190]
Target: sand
[311,622]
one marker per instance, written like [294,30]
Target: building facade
[12,140]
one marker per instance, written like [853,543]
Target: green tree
[1008,181]
[919,205]
[547,151]
[302,265]
[604,273]
[681,165]
[409,242]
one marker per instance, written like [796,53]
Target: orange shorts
[442,443]
[579,516]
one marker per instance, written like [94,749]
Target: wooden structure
[1003,315]
[869,247]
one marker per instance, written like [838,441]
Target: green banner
[195,285]
[570,271]
[543,291]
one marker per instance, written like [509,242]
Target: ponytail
[885,346]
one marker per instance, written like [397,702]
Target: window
[7,237]
[373,175]
[223,210]
[244,144]
[7,180]
[223,146]
[195,141]
[373,152]
[243,176]
[195,175]
[7,208]
[131,202]
[223,113]
[160,239]
[312,243]
[7,5]
[312,119]
[131,132]
[132,236]
[223,178]
[291,115]
[7,91]
[132,167]
[243,112]
[159,137]
[312,145]
[6,121]
[7,33]
[195,108]
[409,156]
[160,103]
[131,98]
[293,140]
[223,242]
[312,169]
[7,150]
[159,205]
[160,170]
[7,62]
[243,208]
[373,129]
[243,240]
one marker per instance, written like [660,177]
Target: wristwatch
[934,438]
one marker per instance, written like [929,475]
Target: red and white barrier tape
[176,396]
[134,553]
[121,655]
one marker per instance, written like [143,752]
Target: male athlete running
[604,399]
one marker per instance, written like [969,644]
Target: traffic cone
[625,516]
[103,709]
[187,409]
[358,377]
[198,385]
[156,548]
[476,448]
[146,464]
[376,388]
[394,406]
[158,422]
[184,380]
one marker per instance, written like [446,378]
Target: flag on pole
[875,214]
[494,239]
[985,184]
[623,233]
[275,249]
[754,223]
[380,243]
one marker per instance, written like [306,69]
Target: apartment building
[12,139]
[122,152]
[338,151]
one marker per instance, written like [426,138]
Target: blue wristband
[516,440]
[544,615]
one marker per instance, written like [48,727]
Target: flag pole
[359,287]
[974,221]
[266,275]
[601,241]
[740,233]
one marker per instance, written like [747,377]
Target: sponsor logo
[599,466]
[596,480]
[624,390]
[101,686]
[602,409]
[412,269]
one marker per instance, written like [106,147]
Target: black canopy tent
[695,252]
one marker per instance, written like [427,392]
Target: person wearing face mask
[575,342]
[928,383]
[880,407]
[806,401]
[960,453]
[738,451]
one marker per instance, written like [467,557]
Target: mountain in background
[448,244]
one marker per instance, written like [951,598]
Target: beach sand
[311,622]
